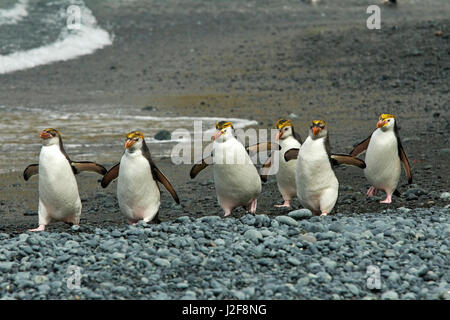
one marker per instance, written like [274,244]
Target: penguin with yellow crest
[317,185]
[236,178]
[288,138]
[59,199]
[383,156]
[137,189]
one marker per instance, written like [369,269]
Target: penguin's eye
[285,129]
[389,120]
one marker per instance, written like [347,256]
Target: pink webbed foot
[372,191]
[253,206]
[323,214]
[132,222]
[40,228]
[286,204]
[388,199]
[227,212]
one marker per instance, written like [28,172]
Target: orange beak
[315,130]
[217,134]
[279,135]
[129,143]
[381,123]
[45,135]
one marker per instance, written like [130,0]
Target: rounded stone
[300,214]
[445,196]
[389,295]
[287,220]
[163,135]
[253,235]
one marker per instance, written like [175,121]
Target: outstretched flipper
[266,168]
[361,147]
[111,175]
[88,166]
[200,166]
[263,146]
[31,170]
[338,159]
[159,176]
[291,154]
[405,161]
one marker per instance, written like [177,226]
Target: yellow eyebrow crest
[51,130]
[319,122]
[135,134]
[283,123]
[223,124]
[385,116]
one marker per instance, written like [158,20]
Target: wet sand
[262,63]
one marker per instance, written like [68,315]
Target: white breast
[317,185]
[58,189]
[286,171]
[235,177]
[137,191]
[382,161]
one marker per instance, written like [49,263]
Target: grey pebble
[308,238]
[389,295]
[293,261]
[254,235]
[287,220]
[162,262]
[300,214]
[352,289]
[6,266]
[445,196]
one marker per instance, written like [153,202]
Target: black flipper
[159,176]
[402,154]
[291,154]
[196,168]
[405,161]
[263,146]
[111,175]
[265,168]
[338,159]
[88,166]
[30,171]
[361,147]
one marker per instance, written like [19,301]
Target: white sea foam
[87,39]
[14,14]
